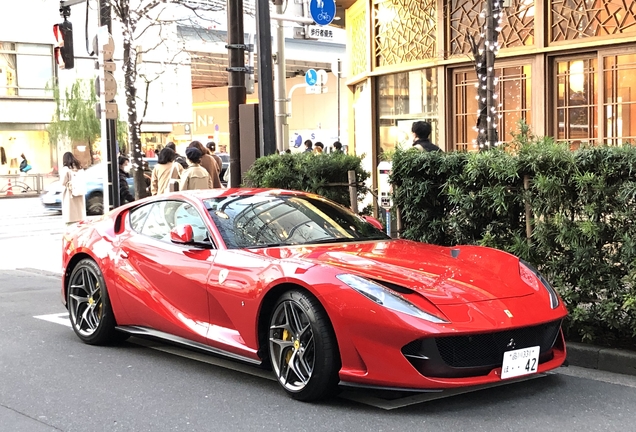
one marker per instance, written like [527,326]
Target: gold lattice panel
[404,31]
[576,19]
[517,25]
[358,40]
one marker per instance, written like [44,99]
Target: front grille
[478,354]
[488,349]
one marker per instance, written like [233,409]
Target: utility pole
[236,90]
[265,79]
[111,130]
[282,132]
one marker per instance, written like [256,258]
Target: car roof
[203,194]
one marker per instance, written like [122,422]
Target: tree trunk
[134,130]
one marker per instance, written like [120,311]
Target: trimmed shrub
[583,214]
[324,174]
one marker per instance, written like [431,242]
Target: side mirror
[373,221]
[182,234]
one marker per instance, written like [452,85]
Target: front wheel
[89,306]
[302,347]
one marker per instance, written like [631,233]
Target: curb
[605,359]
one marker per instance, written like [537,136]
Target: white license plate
[520,362]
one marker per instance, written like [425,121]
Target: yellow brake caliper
[287,337]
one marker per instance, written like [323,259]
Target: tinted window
[166,215]
[138,217]
[261,220]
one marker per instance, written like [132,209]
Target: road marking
[59,318]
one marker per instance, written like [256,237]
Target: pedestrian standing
[166,170]
[421,132]
[124,190]
[178,158]
[195,177]
[337,147]
[208,163]
[211,146]
[25,167]
[308,146]
[73,195]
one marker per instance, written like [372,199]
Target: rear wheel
[89,306]
[302,347]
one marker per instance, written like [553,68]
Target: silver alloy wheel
[291,345]
[85,302]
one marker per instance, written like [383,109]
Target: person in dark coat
[124,190]
[422,131]
[309,146]
[178,158]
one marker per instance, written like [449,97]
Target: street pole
[282,135]
[338,74]
[236,90]
[111,198]
[265,80]
[491,39]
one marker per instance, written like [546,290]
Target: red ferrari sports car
[296,283]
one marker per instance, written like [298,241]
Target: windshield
[265,220]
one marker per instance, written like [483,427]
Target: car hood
[444,275]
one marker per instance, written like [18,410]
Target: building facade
[28,73]
[566,67]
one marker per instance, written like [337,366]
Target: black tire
[95,204]
[89,307]
[303,350]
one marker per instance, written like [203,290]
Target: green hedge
[583,217]
[323,174]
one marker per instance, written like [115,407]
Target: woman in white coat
[73,201]
[165,171]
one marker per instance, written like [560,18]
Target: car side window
[186,214]
[163,216]
[138,217]
[156,225]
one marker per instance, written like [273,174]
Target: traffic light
[64,47]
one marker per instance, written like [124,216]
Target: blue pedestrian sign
[311,77]
[322,11]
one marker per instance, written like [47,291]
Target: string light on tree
[484,51]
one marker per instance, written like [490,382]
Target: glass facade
[26,70]
[576,101]
[619,74]
[404,98]
[513,90]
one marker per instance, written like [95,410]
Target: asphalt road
[50,381]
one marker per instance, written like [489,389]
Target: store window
[577,101]
[619,74]
[25,69]
[404,98]
[513,90]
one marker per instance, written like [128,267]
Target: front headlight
[387,298]
[527,267]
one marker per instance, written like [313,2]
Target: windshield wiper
[346,240]
[260,246]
